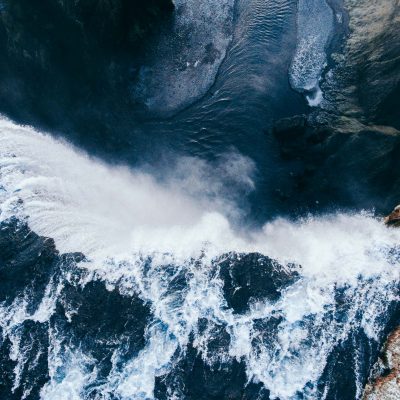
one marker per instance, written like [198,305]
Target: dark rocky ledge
[30,265]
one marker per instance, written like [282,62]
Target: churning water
[168,293]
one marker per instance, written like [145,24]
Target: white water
[116,216]
[314,27]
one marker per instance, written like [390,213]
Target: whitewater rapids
[133,228]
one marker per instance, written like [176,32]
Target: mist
[85,204]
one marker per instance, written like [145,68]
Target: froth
[87,206]
[139,233]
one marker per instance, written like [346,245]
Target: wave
[168,292]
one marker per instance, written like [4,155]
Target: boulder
[194,379]
[253,277]
[393,219]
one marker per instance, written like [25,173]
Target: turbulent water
[121,282]
[168,293]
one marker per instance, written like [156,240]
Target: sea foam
[139,233]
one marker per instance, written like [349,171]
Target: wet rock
[7,371]
[195,379]
[101,321]
[33,348]
[215,339]
[253,277]
[387,385]
[97,321]
[344,154]
[27,262]
[333,163]
[340,376]
[30,266]
[296,134]
[289,128]
[393,219]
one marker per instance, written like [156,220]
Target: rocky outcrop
[365,81]
[384,383]
[253,277]
[386,386]
[348,151]
[393,219]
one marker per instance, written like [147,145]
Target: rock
[366,78]
[27,262]
[253,277]
[387,385]
[102,322]
[296,134]
[193,378]
[339,162]
[287,128]
[393,219]
[345,153]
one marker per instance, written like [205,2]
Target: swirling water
[151,297]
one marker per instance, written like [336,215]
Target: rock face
[366,78]
[347,151]
[387,385]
